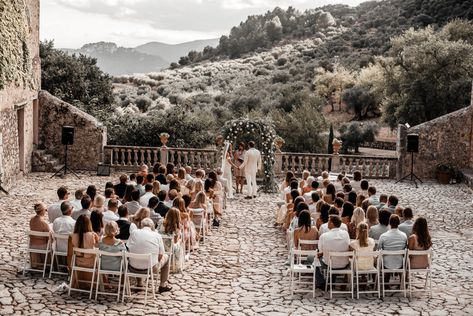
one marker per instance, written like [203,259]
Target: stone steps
[44,162]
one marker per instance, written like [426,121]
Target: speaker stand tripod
[65,168]
[411,175]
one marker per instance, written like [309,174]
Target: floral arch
[263,134]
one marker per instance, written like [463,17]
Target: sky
[129,23]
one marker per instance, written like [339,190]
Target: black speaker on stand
[412,147]
[67,138]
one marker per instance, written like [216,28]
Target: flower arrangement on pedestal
[164,138]
[264,135]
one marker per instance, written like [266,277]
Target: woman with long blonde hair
[357,217]
[372,216]
[187,224]
[363,243]
[142,213]
[156,187]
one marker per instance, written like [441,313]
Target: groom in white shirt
[251,163]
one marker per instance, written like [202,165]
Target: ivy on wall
[15,61]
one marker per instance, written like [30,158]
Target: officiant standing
[251,163]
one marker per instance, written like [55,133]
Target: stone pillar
[163,152]
[400,149]
[335,163]
[277,162]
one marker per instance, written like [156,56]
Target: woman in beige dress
[84,237]
[419,240]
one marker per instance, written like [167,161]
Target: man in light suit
[251,163]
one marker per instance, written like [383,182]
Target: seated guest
[406,226]
[134,205]
[347,212]
[314,198]
[161,177]
[54,210]
[152,204]
[38,224]
[76,205]
[181,176]
[392,203]
[111,214]
[334,240]
[338,204]
[308,185]
[399,211]
[359,200]
[132,180]
[325,227]
[329,196]
[364,185]
[120,188]
[91,192]
[172,228]
[109,243]
[383,200]
[365,204]
[347,189]
[148,241]
[144,199]
[170,169]
[419,240]
[109,185]
[156,187]
[96,219]
[340,195]
[142,213]
[140,180]
[123,223]
[188,173]
[357,218]
[372,197]
[284,188]
[190,188]
[363,243]
[149,178]
[351,197]
[377,230]
[127,198]
[110,194]
[299,206]
[85,202]
[338,183]
[156,170]
[84,238]
[305,230]
[291,208]
[99,203]
[293,185]
[372,216]
[162,208]
[64,225]
[322,208]
[174,185]
[355,183]
[393,239]
[171,196]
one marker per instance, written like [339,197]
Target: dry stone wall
[444,140]
[19,83]
[89,139]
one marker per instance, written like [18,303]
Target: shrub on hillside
[354,133]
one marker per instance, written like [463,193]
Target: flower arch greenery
[263,134]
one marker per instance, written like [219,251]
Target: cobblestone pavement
[240,269]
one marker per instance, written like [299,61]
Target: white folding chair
[199,220]
[401,271]
[374,255]
[58,238]
[133,273]
[104,272]
[30,250]
[309,243]
[411,273]
[333,272]
[298,267]
[169,244]
[79,252]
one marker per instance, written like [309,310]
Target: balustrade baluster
[114,157]
[135,157]
[178,164]
[155,156]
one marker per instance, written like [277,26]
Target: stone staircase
[44,162]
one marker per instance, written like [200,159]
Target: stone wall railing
[131,157]
[370,166]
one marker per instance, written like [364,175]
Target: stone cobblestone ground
[239,271]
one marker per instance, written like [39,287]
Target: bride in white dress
[227,168]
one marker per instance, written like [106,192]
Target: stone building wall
[19,85]
[444,140]
[90,136]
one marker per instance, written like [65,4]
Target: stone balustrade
[131,157]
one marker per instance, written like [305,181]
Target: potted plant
[336,145]
[164,137]
[444,173]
